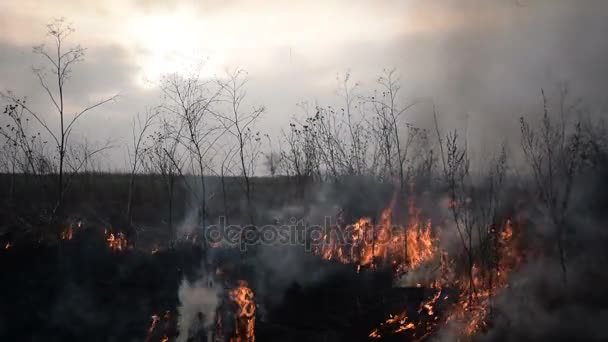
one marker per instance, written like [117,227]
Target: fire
[401,322]
[155,320]
[116,242]
[364,244]
[67,234]
[8,245]
[245,316]
[507,232]
[475,291]
[154,331]
[474,304]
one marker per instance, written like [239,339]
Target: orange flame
[67,234]
[155,320]
[118,242]
[403,247]
[401,322]
[245,316]
[476,289]
[473,310]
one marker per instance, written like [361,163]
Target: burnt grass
[81,290]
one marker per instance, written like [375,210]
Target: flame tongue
[155,330]
[155,320]
[245,316]
[473,306]
[402,322]
[402,247]
[406,248]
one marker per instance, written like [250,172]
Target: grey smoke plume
[201,296]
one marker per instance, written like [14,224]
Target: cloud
[106,71]
[482,62]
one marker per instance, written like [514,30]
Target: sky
[482,63]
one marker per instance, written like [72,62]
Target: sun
[173,43]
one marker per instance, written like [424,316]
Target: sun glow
[253,37]
[173,43]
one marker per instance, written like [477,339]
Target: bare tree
[329,131]
[165,158]
[301,156]
[27,146]
[137,150]
[79,157]
[487,204]
[456,176]
[239,124]
[191,99]
[225,169]
[24,148]
[553,152]
[387,112]
[594,152]
[357,131]
[59,61]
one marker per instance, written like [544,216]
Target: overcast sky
[481,60]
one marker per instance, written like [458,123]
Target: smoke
[426,273]
[275,267]
[188,224]
[197,304]
[539,305]
[535,304]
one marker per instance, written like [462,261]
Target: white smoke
[202,296]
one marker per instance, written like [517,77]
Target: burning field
[460,300]
[410,272]
[455,197]
[405,274]
[383,280]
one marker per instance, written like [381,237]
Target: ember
[153,324]
[117,242]
[67,234]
